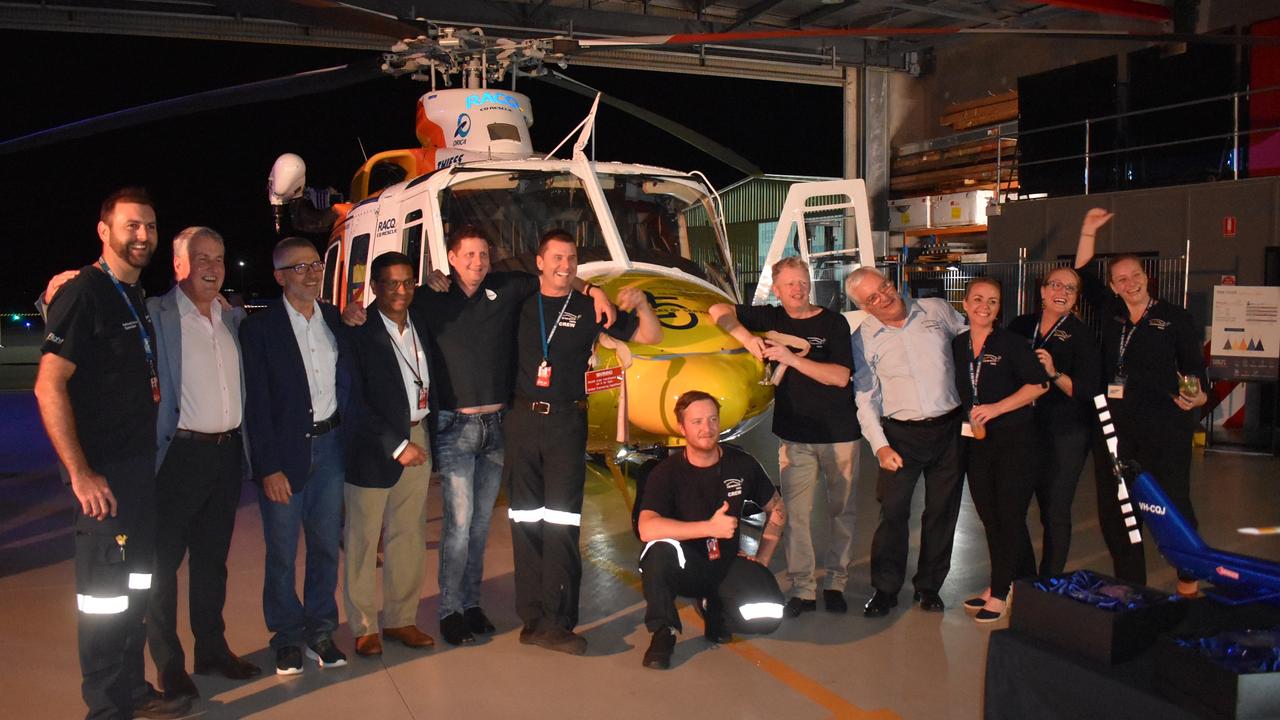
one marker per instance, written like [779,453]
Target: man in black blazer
[298,392]
[390,463]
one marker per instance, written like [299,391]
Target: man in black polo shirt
[546,437]
[98,389]
[689,522]
[815,417]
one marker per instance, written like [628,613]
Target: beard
[138,258]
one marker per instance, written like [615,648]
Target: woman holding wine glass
[998,377]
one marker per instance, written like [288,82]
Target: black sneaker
[796,605]
[454,630]
[561,640]
[289,660]
[658,656]
[326,653]
[155,705]
[478,621]
[833,601]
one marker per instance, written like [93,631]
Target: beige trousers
[399,515]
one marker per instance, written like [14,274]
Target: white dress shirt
[210,401]
[408,348]
[319,356]
[908,373]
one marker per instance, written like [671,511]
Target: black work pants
[114,563]
[544,470]
[1001,469]
[197,492]
[1160,445]
[935,451]
[1066,448]
[666,574]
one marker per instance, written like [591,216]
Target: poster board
[1244,343]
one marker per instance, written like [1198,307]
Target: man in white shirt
[390,463]
[298,387]
[909,412]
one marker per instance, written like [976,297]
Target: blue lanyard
[975,369]
[542,323]
[1037,343]
[1126,334]
[142,328]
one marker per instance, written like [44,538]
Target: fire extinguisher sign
[1229,226]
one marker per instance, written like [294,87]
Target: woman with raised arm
[1153,372]
[1066,348]
[998,377]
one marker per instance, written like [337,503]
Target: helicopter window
[330,267]
[358,260]
[504,131]
[384,174]
[413,216]
[412,246]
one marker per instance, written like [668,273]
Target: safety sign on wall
[1245,341]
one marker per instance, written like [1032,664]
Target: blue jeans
[317,509]
[469,459]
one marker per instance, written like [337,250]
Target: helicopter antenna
[362,151]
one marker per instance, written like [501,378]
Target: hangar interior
[925,116]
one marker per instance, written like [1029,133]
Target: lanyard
[975,370]
[1037,342]
[542,323]
[1126,334]
[142,329]
[413,366]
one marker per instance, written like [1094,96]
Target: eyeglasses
[874,298]
[1056,285]
[397,284]
[301,268]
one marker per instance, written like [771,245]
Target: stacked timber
[976,164]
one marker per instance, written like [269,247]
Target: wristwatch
[1055,376]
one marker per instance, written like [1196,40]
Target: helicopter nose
[732,378]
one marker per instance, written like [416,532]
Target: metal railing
[1088,126]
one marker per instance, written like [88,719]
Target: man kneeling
[689,523]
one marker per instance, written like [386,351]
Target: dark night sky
[211,168]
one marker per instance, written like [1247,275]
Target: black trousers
[1002,469]
[663,580]
[935,451]
[114,562]
[544,471]
[197,492]
[1065,448]
[1162,447]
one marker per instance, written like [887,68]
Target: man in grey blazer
[200,460]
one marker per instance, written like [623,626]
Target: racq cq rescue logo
[1150,508]
[386,227]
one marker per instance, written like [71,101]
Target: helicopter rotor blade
[282,88]
[687,134]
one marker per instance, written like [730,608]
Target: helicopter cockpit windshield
[515,208]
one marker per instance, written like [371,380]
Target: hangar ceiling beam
[1118,8]
[752,13]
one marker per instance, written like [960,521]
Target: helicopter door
[817,218]
[411,244]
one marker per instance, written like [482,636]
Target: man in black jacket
[390,463]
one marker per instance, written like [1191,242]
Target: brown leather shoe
[229,665]
[410,635]
[177,684]
[369,645]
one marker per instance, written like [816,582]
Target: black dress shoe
[663,644]
[478,621]
[454,630]
[228,665]
[796,605]
[929,601]
[527,634]
[880,604]
[833,601]
[176,684]
[154,705]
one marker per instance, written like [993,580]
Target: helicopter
[476,166]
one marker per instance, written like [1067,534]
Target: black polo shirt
[677,490]
[474,349]
[1075,354]
[1007,365]
[90,325]
[805,410]
[1164,344]
[570,347]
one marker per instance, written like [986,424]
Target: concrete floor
[909,665]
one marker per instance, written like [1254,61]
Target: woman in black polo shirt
[998,377]
[1066,349]
[1149,346]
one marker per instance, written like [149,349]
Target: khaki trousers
[399,515]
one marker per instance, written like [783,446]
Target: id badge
[422,398]
[1115,389]
[544,375]
[713,549]
[155,390]
[966,430]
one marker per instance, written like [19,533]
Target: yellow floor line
[745,649]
